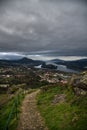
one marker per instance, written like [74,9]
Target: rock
[58,98]
[79,83]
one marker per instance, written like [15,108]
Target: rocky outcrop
[79,84]
[59,98]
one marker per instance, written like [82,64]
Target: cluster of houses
[54,77]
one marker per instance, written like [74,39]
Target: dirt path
[30,118]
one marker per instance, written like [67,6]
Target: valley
[61,94]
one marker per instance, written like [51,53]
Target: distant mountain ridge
[75,65]
[23,61]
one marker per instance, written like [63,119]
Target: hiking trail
[30,118]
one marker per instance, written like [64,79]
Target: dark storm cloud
[59,26]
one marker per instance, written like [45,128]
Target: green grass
[69,115]
[6,109]
[3,98]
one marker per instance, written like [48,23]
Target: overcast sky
[43,27]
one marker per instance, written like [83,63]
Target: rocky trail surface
[30,118]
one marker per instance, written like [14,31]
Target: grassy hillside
[61,109]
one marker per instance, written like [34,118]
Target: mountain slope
[75,65]
[23,61]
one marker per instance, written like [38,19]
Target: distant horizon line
[43,57]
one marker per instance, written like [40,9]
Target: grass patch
[68,115]
[6,109]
